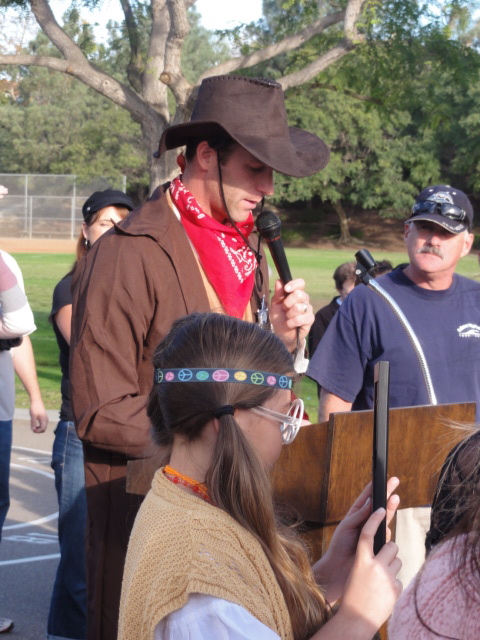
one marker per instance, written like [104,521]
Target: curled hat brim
[453,226]
[300,156]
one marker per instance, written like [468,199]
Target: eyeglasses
[445,209]
[290,422]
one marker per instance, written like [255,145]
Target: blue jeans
[67,617]
[5,451]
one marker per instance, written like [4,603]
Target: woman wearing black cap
[67,616]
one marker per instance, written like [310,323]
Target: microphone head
[268,225]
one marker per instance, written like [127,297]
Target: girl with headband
[208,556]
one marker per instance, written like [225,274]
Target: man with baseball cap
[188,248]
[442,307]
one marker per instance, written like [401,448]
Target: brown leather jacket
[134,282]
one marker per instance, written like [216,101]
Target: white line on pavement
[51,556]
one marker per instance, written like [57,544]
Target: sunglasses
[290,422]
[445,209]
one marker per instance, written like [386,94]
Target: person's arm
[334,567]
[330,403]
[24,363]
[366,582]
[371,591]
[16,317]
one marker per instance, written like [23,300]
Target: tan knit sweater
[179,545]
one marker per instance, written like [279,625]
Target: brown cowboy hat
[252,112]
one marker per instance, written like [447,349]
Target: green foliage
[58,125]
[398,112]
[395,113]
[369,154]
[55,124]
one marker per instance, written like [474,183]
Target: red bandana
[225,257]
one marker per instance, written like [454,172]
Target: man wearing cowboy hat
[188,248]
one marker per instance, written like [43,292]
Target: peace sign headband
[243,376]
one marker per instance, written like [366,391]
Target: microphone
[268,226]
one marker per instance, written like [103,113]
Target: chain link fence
[46,206]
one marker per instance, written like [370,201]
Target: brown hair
[237,481]
[224,144]
[344,272]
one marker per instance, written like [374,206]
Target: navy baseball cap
[107,198]
[446,206]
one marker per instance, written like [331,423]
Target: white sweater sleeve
[207,617]
[16,317]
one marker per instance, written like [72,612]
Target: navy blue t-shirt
[366,330]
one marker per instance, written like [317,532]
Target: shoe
[6,625]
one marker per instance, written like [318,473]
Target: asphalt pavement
[29,547]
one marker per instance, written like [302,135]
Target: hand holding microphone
[290,311]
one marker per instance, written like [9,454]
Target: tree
[154,73]
[394,115]
[51,123]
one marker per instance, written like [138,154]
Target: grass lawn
[42,271]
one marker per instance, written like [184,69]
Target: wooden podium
[327,465]
[325,468]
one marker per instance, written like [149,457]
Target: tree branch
[318,65]
[285,45]
[45,18]
[92,77]
[172,74]
[134,67]
[154,91]
[352,12]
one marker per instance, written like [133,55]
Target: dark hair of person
[456,511]
[222,143]
[380,268]
[237,480]
[343,273]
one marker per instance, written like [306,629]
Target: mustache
[435,250]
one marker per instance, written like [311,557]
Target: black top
[62,296]
[321,322]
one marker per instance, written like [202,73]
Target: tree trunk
[160,169]
[345,237]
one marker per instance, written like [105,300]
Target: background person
[26,370]
[344,278]
[67,615]
[207,556]
[16,321]
[186,249]
[366,330]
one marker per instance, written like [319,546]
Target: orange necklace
[179,478]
